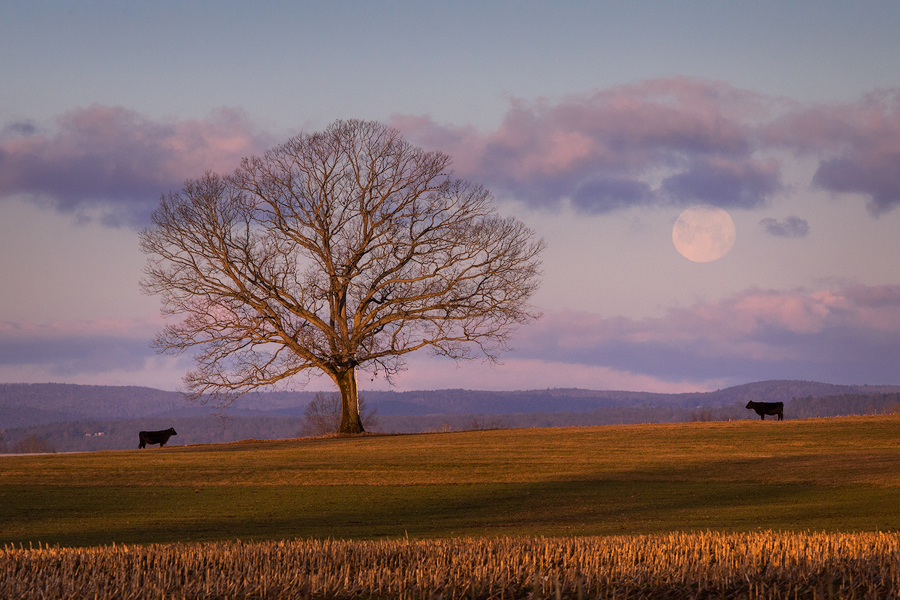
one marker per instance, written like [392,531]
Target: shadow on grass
[83,515]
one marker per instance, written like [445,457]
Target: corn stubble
[676,565]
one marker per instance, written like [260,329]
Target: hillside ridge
[24,404]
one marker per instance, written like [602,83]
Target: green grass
[840,474]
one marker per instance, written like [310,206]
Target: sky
[595,123]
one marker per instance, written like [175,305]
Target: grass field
[839,474]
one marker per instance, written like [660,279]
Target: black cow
[156,437]
[767,408]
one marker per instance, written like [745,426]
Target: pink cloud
[824,335]
[671,141]
[602,150]
[118,159]
[845,335]
[108,327]
[704,140]
[858,145]
[73,348]
[117,352]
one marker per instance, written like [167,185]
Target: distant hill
[23,405]
[89,418]
[777,391]
[579,400]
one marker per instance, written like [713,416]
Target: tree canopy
[338,250]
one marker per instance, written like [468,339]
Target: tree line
[322,417]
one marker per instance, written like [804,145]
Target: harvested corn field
[676,565]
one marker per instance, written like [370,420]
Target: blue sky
[595,123]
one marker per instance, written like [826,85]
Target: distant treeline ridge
[119,434]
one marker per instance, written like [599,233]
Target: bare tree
[480,423]
[33,444]
[323,415]
[340,250]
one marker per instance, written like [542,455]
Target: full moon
[704,233]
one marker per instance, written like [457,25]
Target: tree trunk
[350,419]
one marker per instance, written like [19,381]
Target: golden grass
[676,565]
[489,495]
[848,450]
[806,475]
